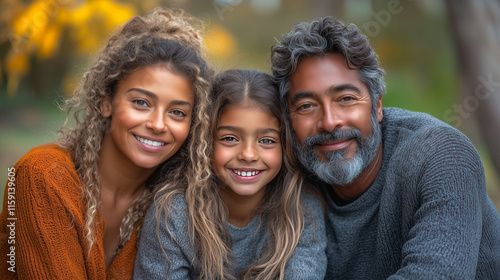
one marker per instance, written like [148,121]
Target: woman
[80,202]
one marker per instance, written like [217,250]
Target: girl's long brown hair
[164,37]
[281,208]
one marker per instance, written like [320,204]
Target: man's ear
[380,112]
[105,107]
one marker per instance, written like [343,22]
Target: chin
[148,164]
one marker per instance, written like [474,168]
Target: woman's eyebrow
[146,92]
[155,97]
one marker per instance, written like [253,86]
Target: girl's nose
[248,153]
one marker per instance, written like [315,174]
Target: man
[405,192]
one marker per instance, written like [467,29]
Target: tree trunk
[476,28]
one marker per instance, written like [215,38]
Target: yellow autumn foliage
[95,20]
[38,28]
[219,42]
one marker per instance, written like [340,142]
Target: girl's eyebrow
[239,129]
[268,130]
[155,97]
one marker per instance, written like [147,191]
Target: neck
[363,181]
[241,208]
[120,178]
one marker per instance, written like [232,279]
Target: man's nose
[331,118]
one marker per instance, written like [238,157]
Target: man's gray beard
[338,170]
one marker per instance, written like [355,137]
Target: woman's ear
[105,107]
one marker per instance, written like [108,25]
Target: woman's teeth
[149,142]
[246,173]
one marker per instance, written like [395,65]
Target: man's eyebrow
[344,87]
[331,90]
[301,95]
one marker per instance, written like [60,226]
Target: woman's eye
[178,113]
[267,141]
[141,103]
[229,139]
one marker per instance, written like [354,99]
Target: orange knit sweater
[46,222]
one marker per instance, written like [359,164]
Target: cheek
[220,158]
[123,118]
[181,131]
[301,127]
[274,160]
[361,119]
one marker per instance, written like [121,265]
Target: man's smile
[335,145]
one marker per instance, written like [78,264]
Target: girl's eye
[267,141]
[178,113]
[141,103]
[229,139]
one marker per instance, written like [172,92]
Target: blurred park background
[440,57]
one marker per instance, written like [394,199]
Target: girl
[80,202]
[247,222]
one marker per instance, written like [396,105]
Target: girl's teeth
[149,142]
[246,173]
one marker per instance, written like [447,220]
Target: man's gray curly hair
[320,37]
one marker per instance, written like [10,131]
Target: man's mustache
[335,135]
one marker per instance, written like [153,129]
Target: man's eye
[304,107]
[347,99]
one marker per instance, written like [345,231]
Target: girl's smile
[247,150]
[247,175]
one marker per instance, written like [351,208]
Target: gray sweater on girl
[308,260]
[427,214]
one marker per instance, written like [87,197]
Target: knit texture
[427,215]
[49,230]
[308,260]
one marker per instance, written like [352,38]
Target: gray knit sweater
[308,260]
[427,214]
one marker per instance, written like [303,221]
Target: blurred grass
[25,122]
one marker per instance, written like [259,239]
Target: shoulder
[414,135]
[45,156]
[171,213]
[314,207]
[175,205]
[405,124]
[48,169]
[312,201]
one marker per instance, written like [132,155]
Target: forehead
[248,114]
[317,74]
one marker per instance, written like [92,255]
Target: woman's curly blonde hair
[164,37]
